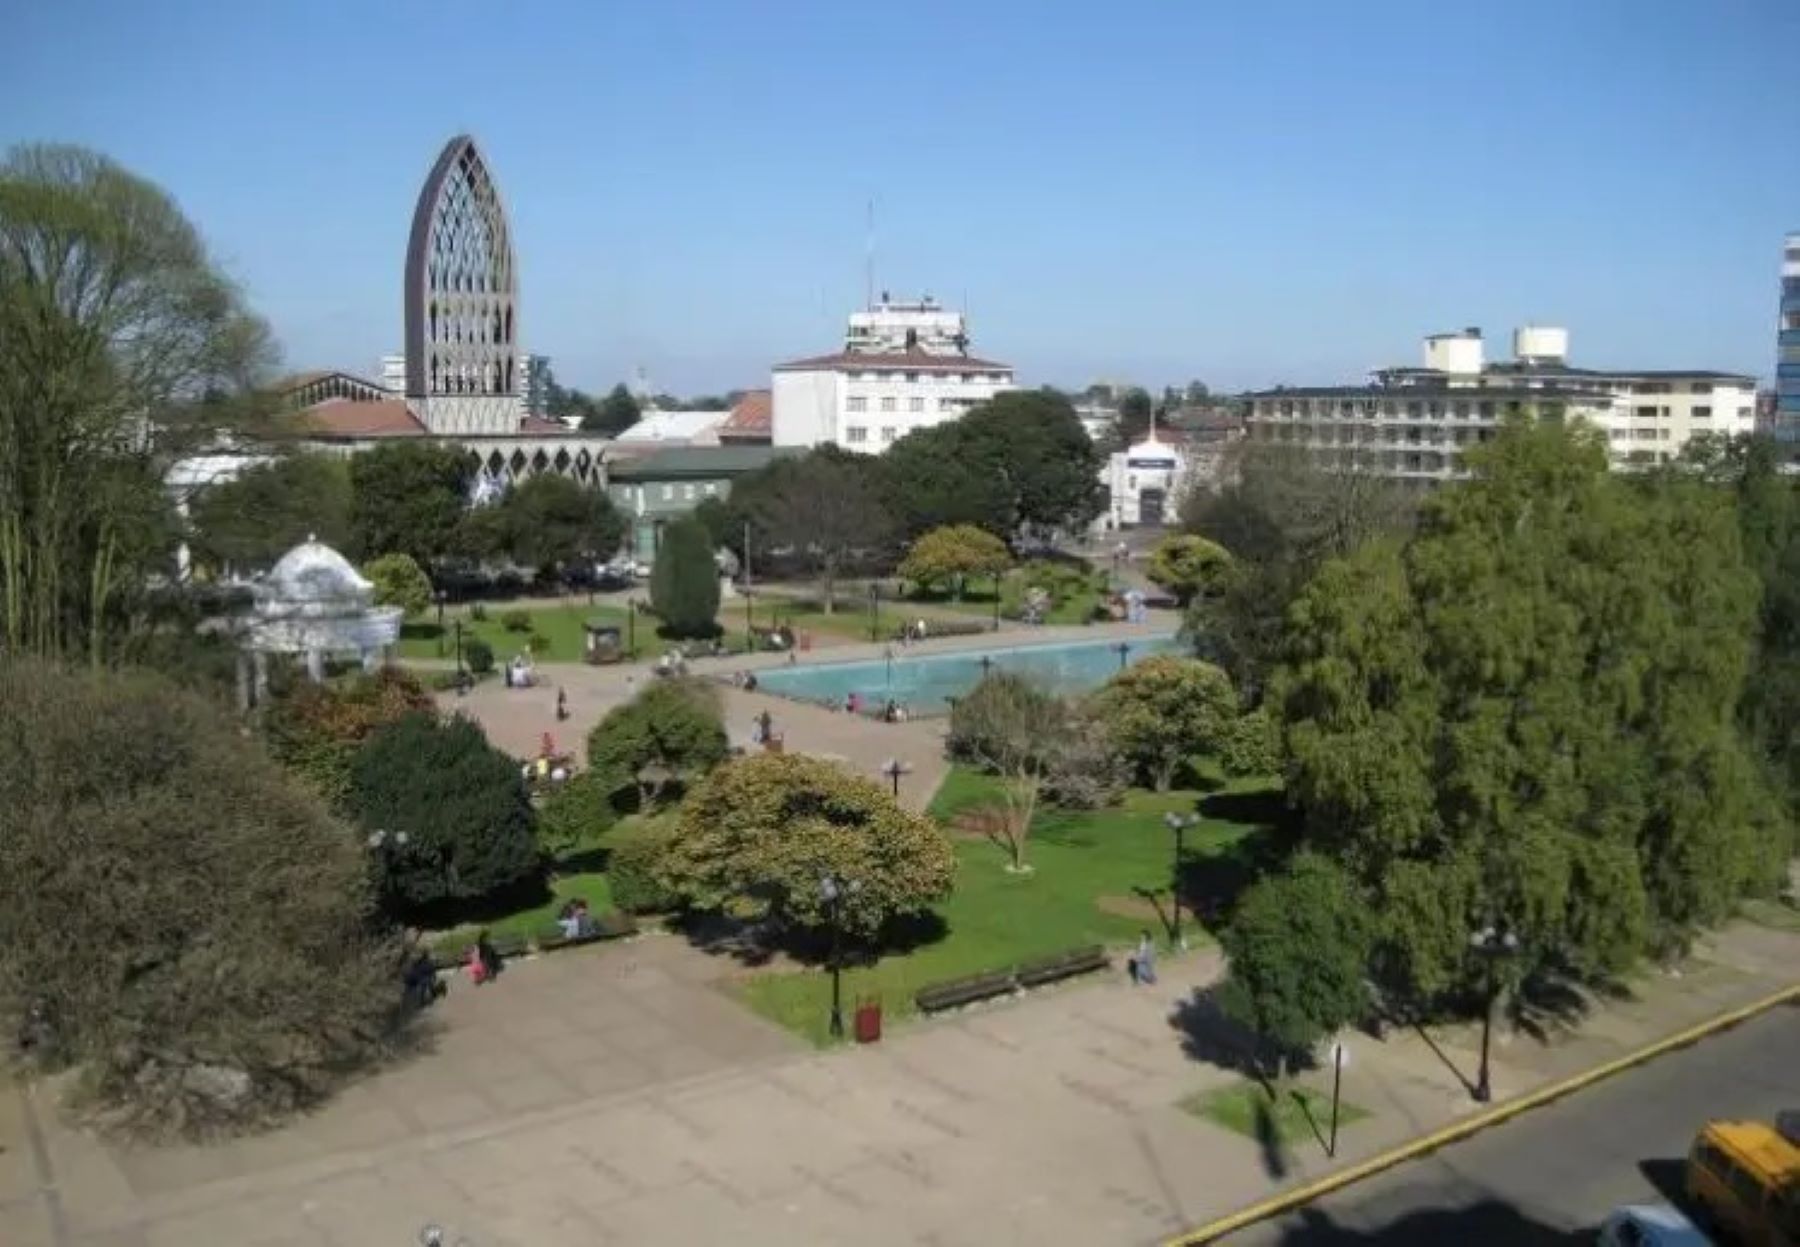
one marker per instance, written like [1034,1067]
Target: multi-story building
[1414,423]
[533,377]
[1787,349]
[904,366]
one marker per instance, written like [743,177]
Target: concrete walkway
[614,1095]
[517,720]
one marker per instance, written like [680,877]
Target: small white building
[673,428]
[1144,484]
[904,366]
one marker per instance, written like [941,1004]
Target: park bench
[608,926]
[1064,965]
[953,992]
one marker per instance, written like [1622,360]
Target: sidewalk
[1050,1120]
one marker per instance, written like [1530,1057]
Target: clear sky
[1284,191]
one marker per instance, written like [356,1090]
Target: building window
[1645,412]
[687,493]
[668,493]
[1702,387]
[915,403]
[887,404]
[967,376]
[712,489]
[1702,413]
[887,433]
[912,378]
[946,404]
[856,434]
[856,402]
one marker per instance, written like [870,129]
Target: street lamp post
[831,891]
[1178,823]
[386,846]
[894,768]
[997,578]
[1124,650]
[439,595]
[987,666]
[459,657]
[874,610]
[1490,944]
[631,627]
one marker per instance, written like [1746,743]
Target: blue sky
[1286,191]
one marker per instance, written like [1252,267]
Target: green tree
[551,522]
[1135,409]
[1524,716]
[684,582]
[122,349]
[576,814]
[461,805]
[316,729]
[1013,730]
[193,924]
[823,506]
[1296,950]
[672,732]
[1280,516]
[408,497]
[399,582]
[757,836]
[1189,566]
[617,412]
[1165,711]
[927,480]
[952,554]
[268,509]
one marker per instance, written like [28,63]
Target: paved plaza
[619,1095]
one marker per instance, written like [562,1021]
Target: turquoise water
[924,683]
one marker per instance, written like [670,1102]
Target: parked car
[1650,1225]
[1744,1177]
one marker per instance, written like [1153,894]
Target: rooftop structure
[682,428]
[892,326]
[1787,349]
[749,420]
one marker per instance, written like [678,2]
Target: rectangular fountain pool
[924,683]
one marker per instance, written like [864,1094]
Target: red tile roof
[388,417]
[910,361]
[751,419]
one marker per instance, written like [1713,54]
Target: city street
[1551,1175]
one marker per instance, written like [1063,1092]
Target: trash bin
[868,1021]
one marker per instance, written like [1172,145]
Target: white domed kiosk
[313,602]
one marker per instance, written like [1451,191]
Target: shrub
[1164,711]
[684,583]
[399,582]
[479,655]
[516,620]
[461,803]
[315,729]
[575,815]
[1086,770]
[951,554]
[184,912]
[631,868]
[670,733]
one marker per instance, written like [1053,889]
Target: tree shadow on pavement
[1210,1035]
[1489,1223]
[1268,1140]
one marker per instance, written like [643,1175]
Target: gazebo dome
[312,578]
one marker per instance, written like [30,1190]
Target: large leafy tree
[950,555]
[1297,948]
[316,729]
[928,481]
[684,583]
[551,522]
[1166,711]
[190,925]
[459,803]
[758,835]
[122,348]
[1524,716]
[253,519]
[408,497]
[1135,409]
[672,732]
[1280,516]
[823,506]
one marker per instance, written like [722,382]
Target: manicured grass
[1779,914]
[996,919]
[1297,1114]
[591,886]
[559,625]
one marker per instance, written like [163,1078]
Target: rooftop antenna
[869,260]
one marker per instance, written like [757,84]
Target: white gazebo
[313,602]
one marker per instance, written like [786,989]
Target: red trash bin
[868,1021]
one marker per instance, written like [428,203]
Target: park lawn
[561,626]
[1297,1114]
[1077,608]
[591,886]
[996,919]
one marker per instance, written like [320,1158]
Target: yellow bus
[1745,1176]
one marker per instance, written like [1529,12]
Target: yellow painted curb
[1471,1125]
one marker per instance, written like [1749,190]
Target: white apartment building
[1413,423]
[904,366]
